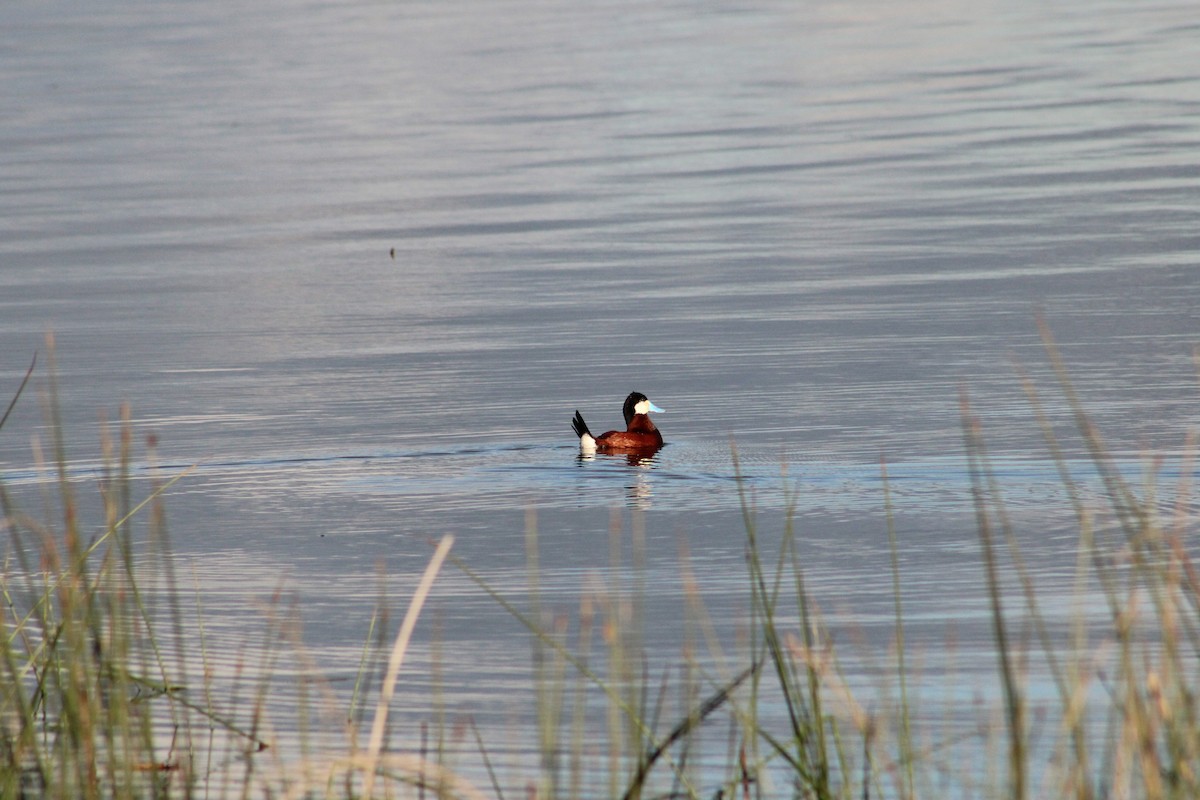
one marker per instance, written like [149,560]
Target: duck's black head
[638,403]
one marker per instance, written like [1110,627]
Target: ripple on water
[683,476]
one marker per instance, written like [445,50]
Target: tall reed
[92,702]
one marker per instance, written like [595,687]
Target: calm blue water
[361,263]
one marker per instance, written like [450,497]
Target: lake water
[361,262]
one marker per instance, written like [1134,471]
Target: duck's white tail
[587,442]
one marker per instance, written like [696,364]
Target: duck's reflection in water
[639,464]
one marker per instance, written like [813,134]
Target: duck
[639,434]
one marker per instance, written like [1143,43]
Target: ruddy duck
[639,434]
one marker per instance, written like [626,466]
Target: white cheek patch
[645,407]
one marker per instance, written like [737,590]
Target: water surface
[360,263]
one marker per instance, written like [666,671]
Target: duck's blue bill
[655,408]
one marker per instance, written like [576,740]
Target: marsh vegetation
[107,691]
